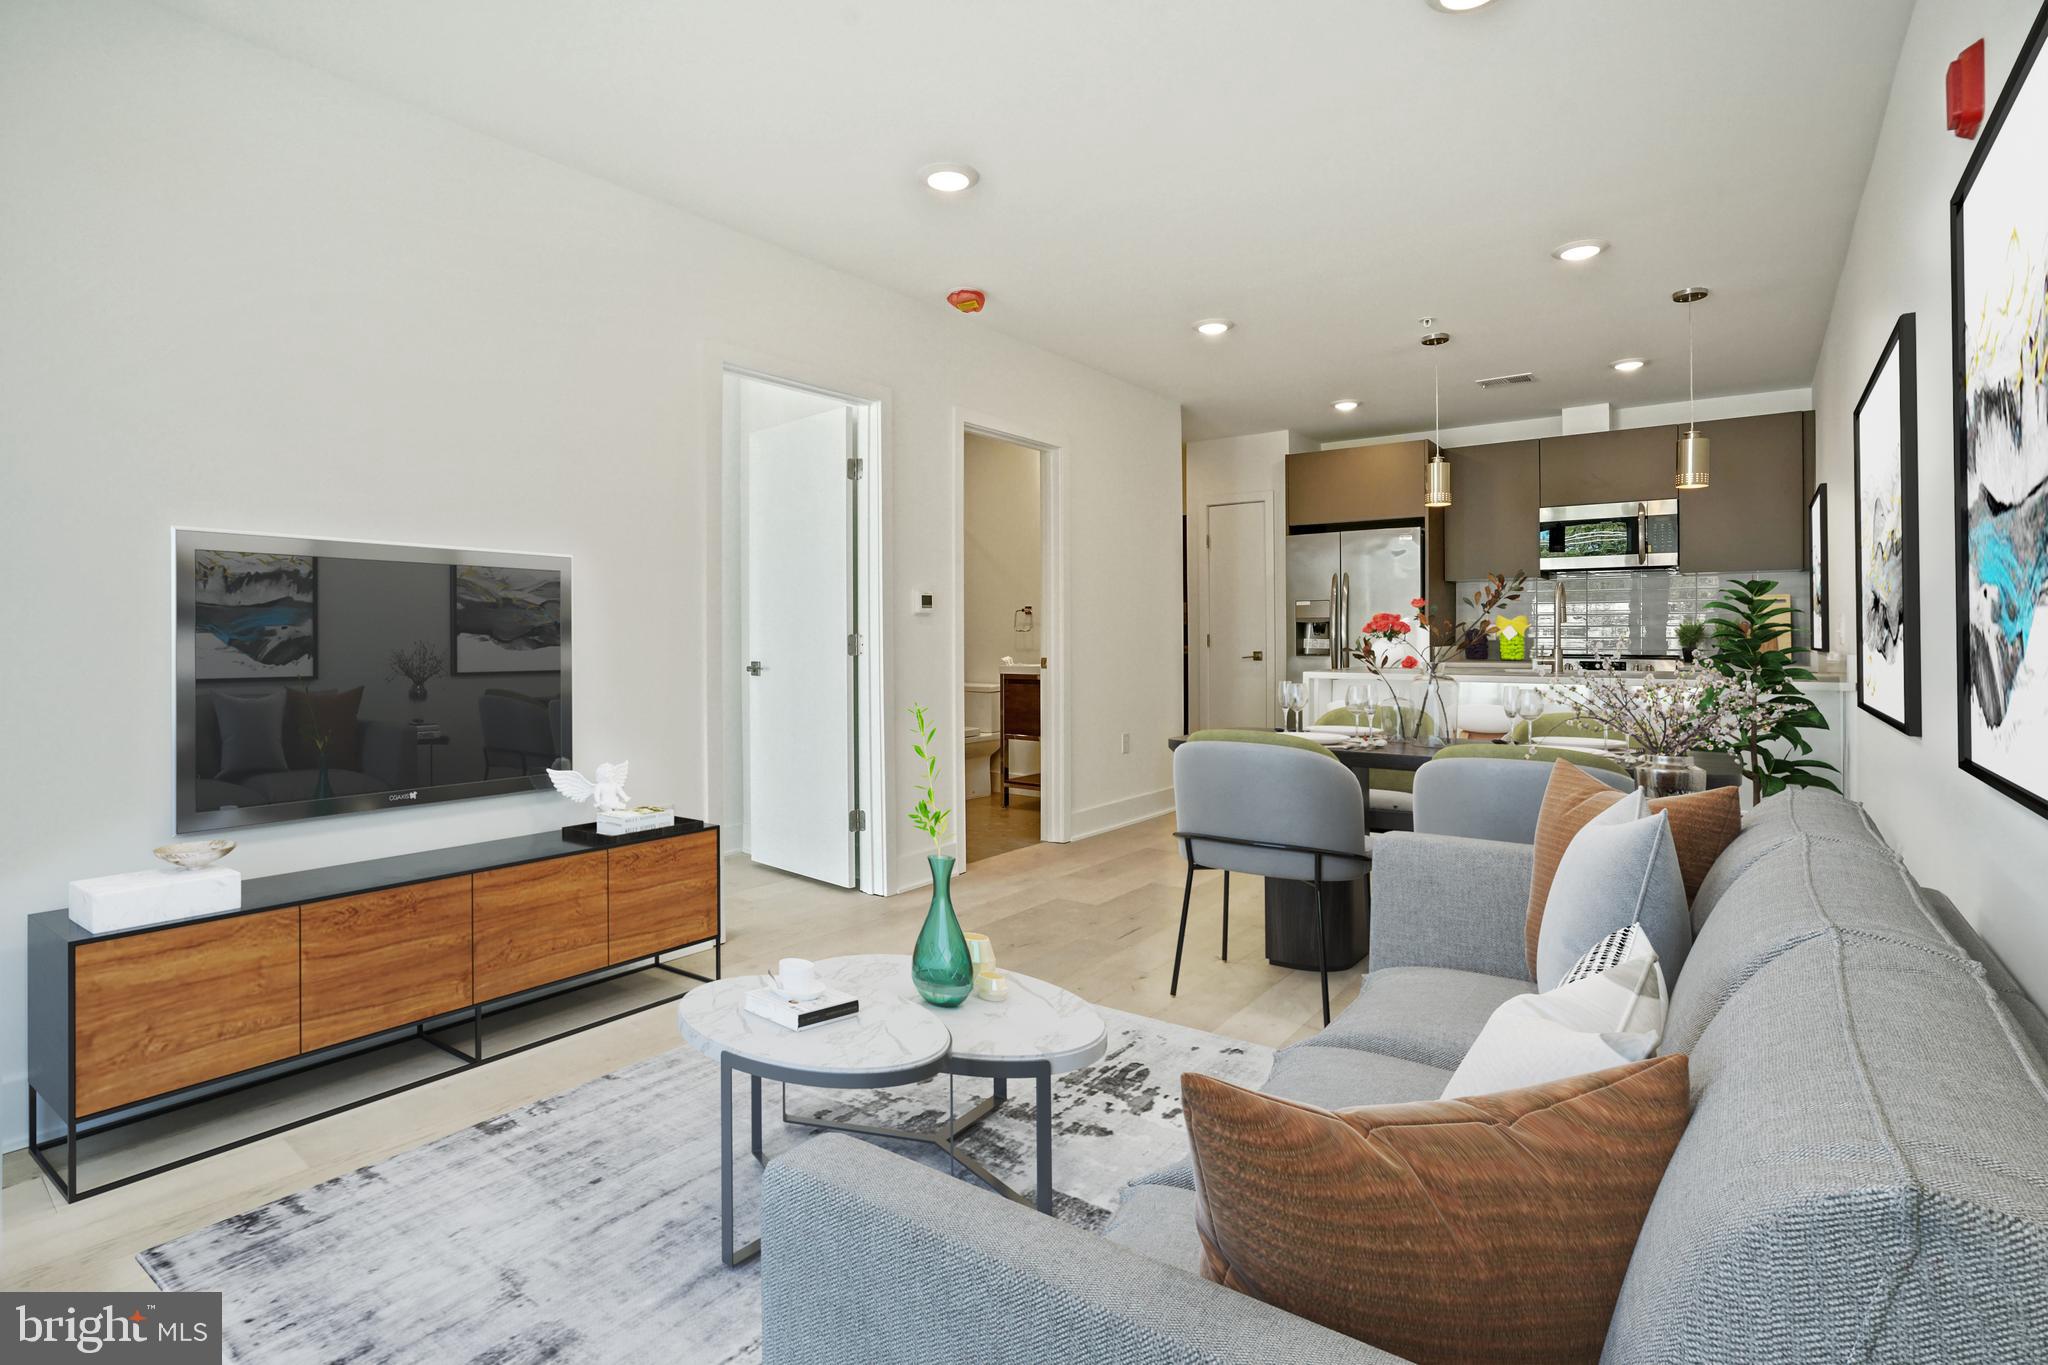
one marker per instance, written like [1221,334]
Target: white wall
[1002,555]
[1233,469]
[243,294]
[1955,832]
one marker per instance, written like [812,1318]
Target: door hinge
[857,821]
[1208,640]
[855,468]
[854,644]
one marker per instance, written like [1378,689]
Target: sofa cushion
[1862,1176]
[1497,1227]
[1791,812]
[1419,1014]
[1703,824]
[1343,1078]
[1620,869]
[1158,1222]
[1803,887]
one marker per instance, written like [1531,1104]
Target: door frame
[1055,748]
[725,746]
[1204,697]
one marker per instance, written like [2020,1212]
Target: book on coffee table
[823,1008]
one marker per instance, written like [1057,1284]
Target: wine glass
[1531,707]
[1356,701]
[1297,698]
[1286,692]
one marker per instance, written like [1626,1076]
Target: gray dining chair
[1271,805]
[1496,798]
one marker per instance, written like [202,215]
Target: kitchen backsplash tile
[1636,611]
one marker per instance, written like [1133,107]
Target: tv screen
[321,677]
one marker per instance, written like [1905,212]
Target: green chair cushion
[1556,723]
[1261,737]
[1537,753]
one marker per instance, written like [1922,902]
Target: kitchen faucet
[1557,627]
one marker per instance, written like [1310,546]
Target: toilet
[979,732]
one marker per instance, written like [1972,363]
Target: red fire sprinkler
[1966,91]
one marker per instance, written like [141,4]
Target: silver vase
[1669,775]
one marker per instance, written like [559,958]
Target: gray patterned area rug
[584,1227]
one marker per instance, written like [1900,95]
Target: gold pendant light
[1695,452]
[1436,475]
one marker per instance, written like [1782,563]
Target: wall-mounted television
[323,677]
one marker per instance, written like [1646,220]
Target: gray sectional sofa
[1865,1175]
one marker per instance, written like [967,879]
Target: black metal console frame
[421,1031]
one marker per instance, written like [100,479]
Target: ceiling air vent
[1523,378]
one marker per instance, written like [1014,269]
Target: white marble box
[134,900]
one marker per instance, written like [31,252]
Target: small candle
[992,984]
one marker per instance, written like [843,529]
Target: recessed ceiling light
[950,177]
[1585,249]
[1346,405]
[1630,366]
[1214,327]
[1457,6]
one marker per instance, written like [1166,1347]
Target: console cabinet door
[664,893]
[158,1011]
[379,960]
[539,922]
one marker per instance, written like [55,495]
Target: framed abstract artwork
[1998,258]
[1817,569]
[1888,537]
[253,616]
[506,620]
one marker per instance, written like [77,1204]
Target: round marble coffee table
[896,1039]
[887,1043]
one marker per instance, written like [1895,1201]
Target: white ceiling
[1324,172]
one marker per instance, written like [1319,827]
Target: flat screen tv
[324,677]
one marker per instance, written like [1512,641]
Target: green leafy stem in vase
[927,815]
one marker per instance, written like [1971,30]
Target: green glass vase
[939,965]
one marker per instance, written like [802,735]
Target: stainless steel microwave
[1610,535]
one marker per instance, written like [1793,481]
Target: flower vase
[1669,775]
[940,965]
[323,789]
[418,691]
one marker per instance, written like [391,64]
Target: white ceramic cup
[798,978]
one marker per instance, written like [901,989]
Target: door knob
[1257,656]
[754,668]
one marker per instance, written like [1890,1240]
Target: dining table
[1290,906]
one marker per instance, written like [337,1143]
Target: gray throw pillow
[1613,873]
[251,733]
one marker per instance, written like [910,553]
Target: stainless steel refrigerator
[1338,580]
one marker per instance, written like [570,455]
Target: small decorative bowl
[198,853]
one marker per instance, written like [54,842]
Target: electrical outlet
[1127,741]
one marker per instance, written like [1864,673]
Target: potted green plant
[939,964]
[1690,632]
[1772,751]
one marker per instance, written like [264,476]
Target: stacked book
[829,1004]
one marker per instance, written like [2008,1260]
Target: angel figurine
[609,790]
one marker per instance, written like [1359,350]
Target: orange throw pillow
[1702,824]
[1490,1228]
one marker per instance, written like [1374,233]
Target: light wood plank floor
[1096,916]
[994,829]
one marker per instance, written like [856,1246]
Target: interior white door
[800,674]
[1237,686]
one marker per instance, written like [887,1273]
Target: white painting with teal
[2004,492]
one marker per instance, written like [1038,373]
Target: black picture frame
[312,674]
[1966,606]
[455,668]
[1899,344]
[1817,605]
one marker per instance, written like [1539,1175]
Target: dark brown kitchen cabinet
[1609,466]
[1490,526]
[1752,515]
[1356,483]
